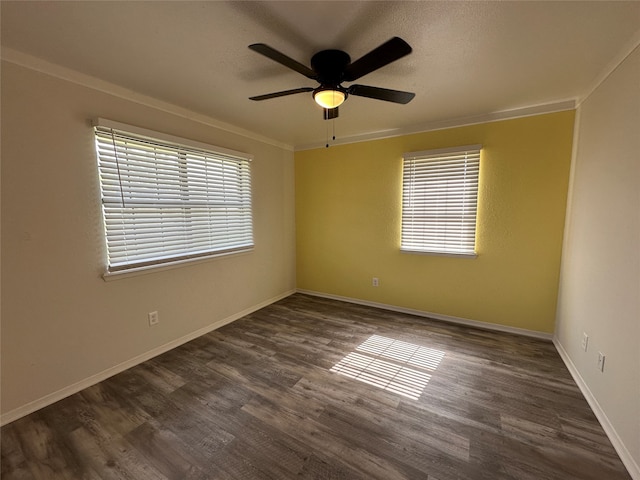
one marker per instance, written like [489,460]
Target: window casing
[440,201]
[167,199]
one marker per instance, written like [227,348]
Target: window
[166,199]
[439,200]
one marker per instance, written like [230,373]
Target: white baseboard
[435,316]
[51,398]
[621,449]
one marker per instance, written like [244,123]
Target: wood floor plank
[13,463]
[311,388]
[321,438]
[47,454]
[110,457]
[329,468]
[165,451]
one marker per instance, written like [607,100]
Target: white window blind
[439,200]
[165,202]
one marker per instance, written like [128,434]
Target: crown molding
[570,104]
[39,65]
[560,106]
[611,67]
[73,76]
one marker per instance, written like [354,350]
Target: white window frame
[168,200]
[440,201]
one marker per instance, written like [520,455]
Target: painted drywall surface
[600,281]
[348,214]
[61,323]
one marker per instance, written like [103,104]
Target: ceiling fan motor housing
[329,66]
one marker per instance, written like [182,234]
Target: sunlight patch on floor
[399,367]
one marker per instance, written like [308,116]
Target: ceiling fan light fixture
[329,97]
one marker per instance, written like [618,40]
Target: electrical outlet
[153,318]
[601,361]
[375,282]
[585,341]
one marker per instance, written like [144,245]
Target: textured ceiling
[470,59]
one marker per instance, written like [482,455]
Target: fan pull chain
[333,128]
[327,129]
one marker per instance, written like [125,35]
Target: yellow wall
[348,208]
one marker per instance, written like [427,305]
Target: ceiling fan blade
[282,59]
[395,96]
[386,53]
[267,96]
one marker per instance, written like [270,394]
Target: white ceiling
[470,59]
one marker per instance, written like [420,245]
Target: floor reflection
[400,367]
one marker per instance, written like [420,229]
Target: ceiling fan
[332,67]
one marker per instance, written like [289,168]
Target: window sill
[440,254]
[135,272]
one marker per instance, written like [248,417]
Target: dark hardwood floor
[310,388]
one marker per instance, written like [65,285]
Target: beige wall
[600,280]
[63,324]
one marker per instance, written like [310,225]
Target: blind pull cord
[115,152]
